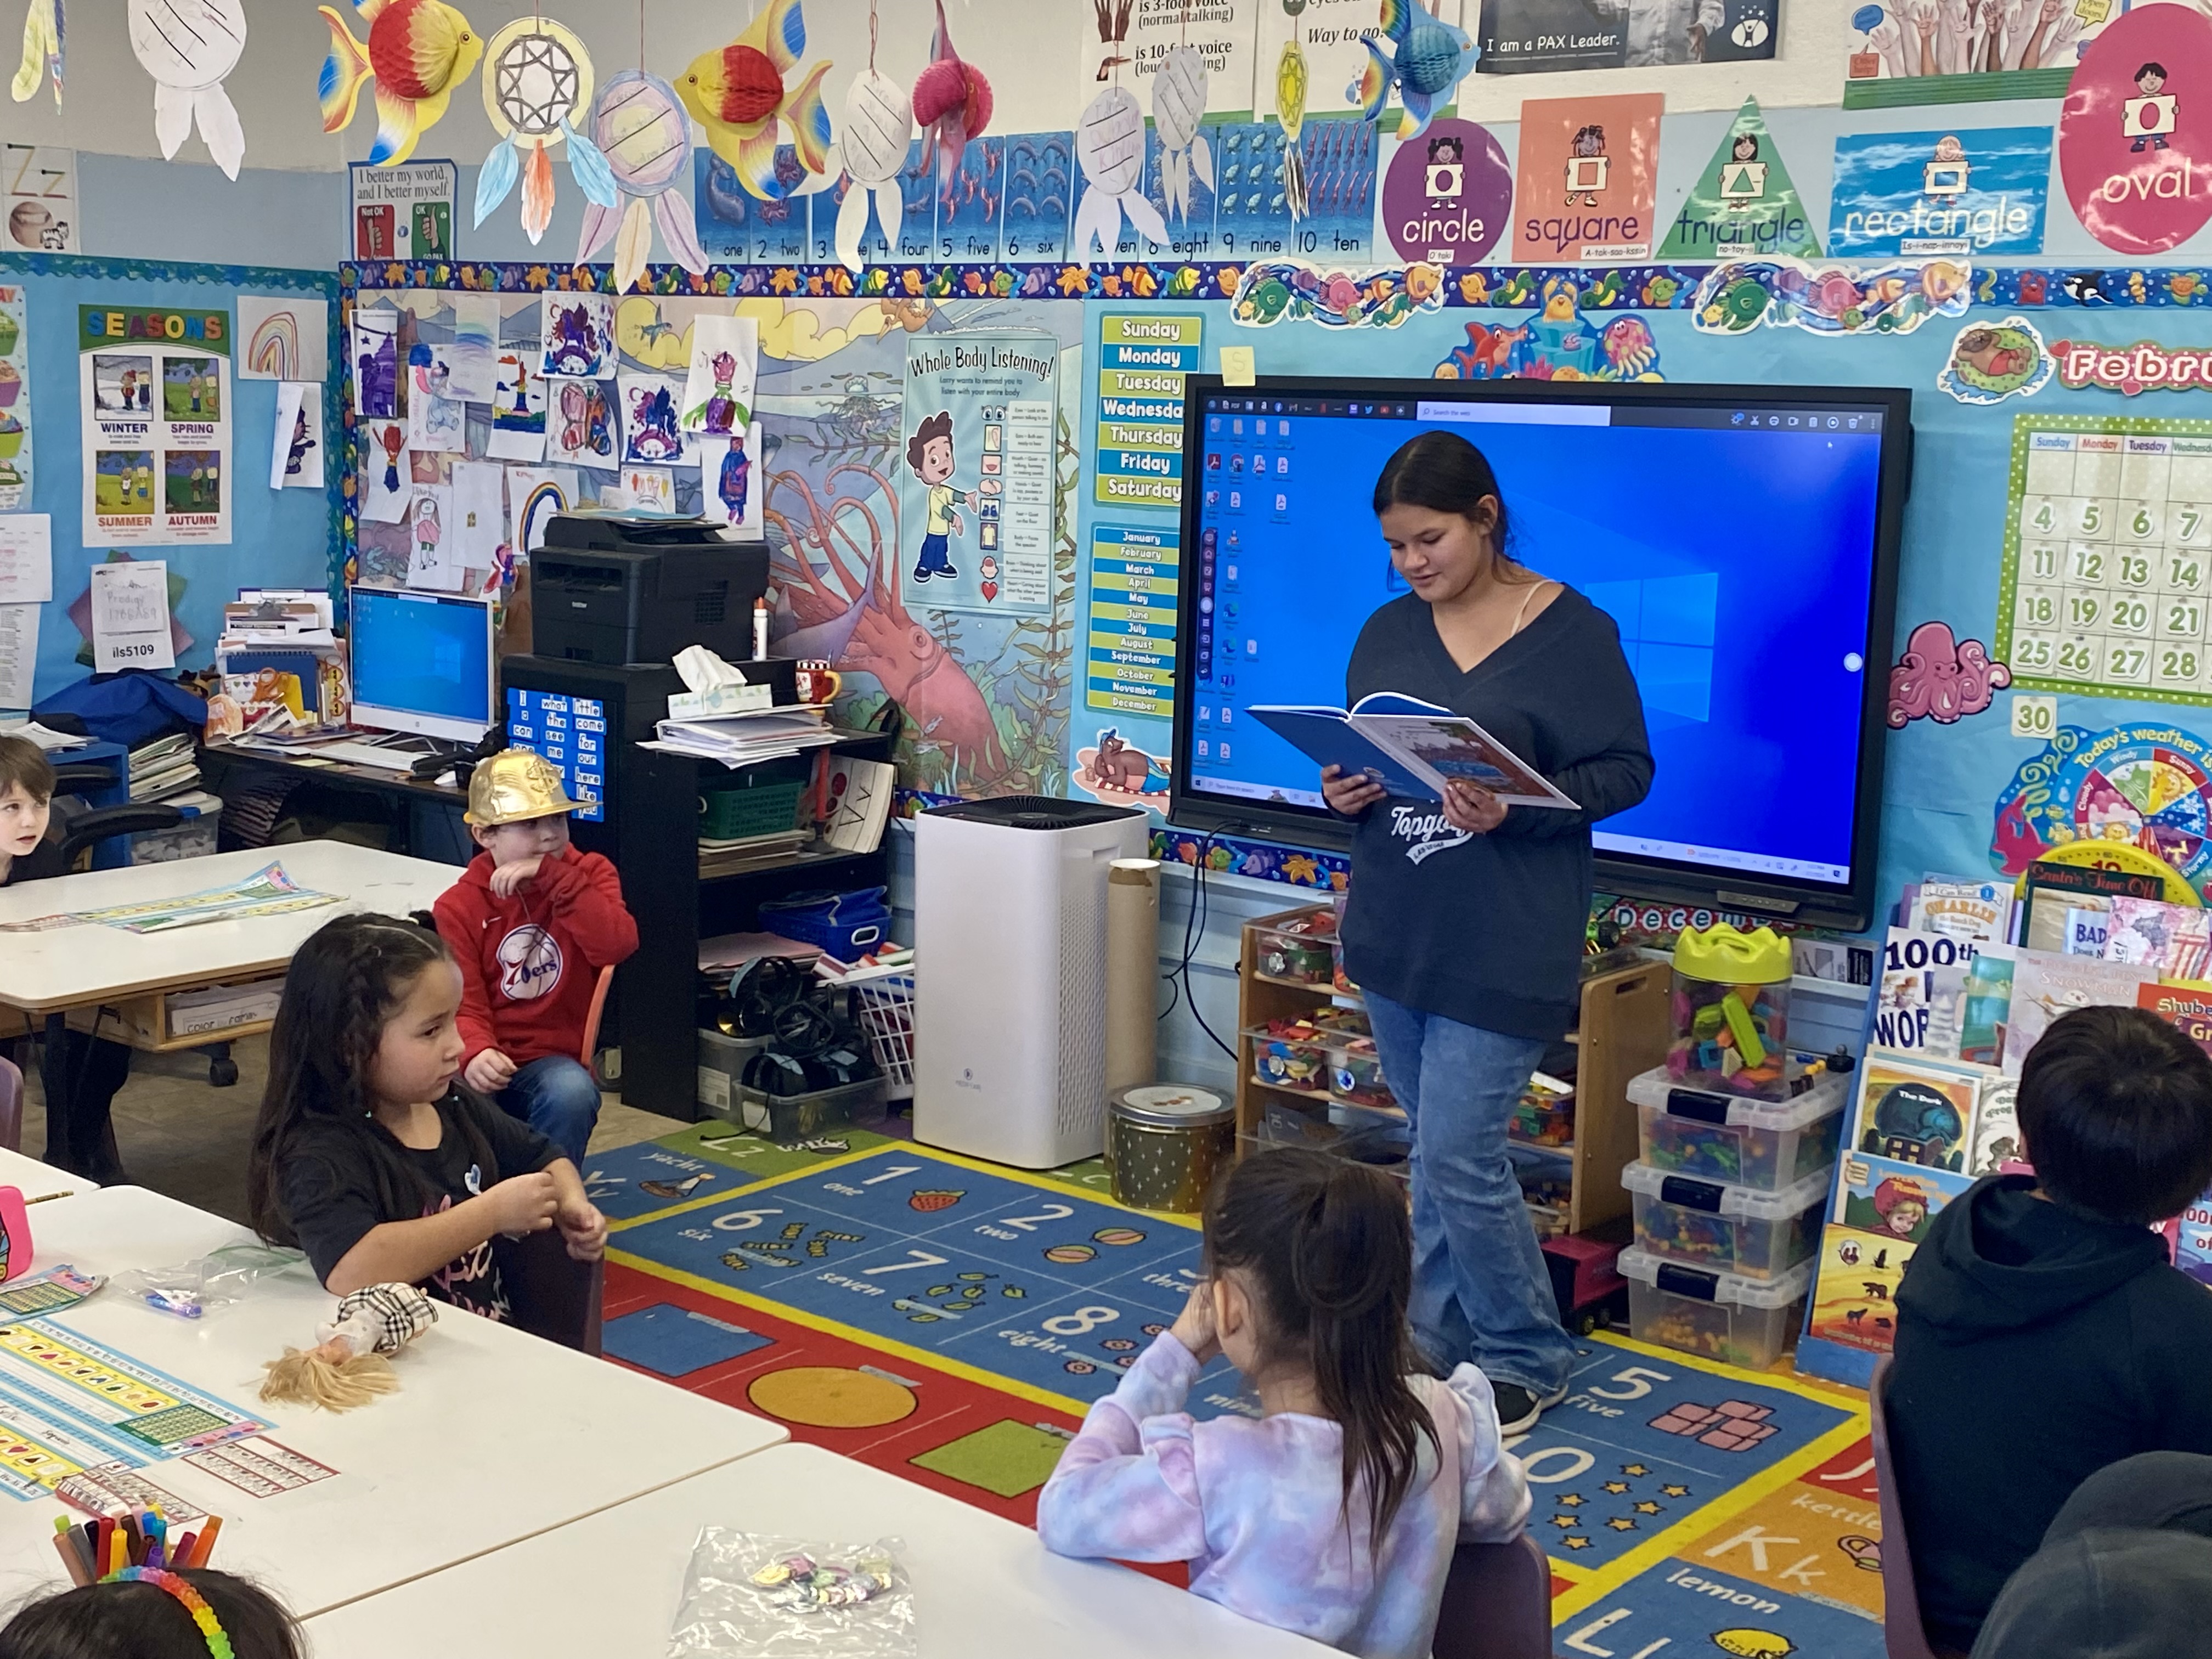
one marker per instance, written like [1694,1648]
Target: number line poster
[2106,585]
[154,390]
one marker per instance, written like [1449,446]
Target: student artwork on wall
[296,456]
[652,424]
[717,387]
[733,480]
[15,400]
[536,496]
[2134,142]
[282,339]
[188,47]
[375,361]
[1975,192]
[578,331]
[156,425]
[387,472]
[579,422]
[976,493]
[1589,177]
[1743,202]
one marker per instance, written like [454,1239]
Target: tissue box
[720,700]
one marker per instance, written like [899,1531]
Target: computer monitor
[1745,538]
[422,663]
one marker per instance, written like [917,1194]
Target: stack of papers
[50,741]
[741,739]
[163,767]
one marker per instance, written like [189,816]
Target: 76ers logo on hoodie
[529,963]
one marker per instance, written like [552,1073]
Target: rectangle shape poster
[154,384]
[1974,190]
[1133,620]
[979,440]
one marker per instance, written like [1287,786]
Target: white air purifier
[1009,991]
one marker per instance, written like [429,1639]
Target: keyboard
[368,754]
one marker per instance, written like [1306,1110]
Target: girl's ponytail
[1326,1245]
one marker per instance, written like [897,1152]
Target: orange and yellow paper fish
[419,51]
[737,91]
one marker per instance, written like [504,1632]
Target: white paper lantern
[1110,142]
[878,126]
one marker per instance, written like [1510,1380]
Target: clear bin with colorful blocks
[1295,1053]
[1545,1113]
[1730,1011]
[1301,952]
[1355,1075]
[1750,1322]
[1738,1230]
[1731,1138]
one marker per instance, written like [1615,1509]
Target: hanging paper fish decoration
[737,93]
[952,104]
[188,47]
[1178,106]
[871,146]
[640,126]
[536,74]
[1291,111]
[1110,145]
[42,51]
[419,51]
[1428,59]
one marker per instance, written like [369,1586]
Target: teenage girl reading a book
[1466,918]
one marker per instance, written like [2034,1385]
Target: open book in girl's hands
[1413,749]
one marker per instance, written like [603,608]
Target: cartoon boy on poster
[929,453]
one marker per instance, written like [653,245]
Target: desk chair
[591,1054]
[1498,1603]
[11,1105]
[1903,1635]
[555,1297]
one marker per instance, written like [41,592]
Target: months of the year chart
[2107,583]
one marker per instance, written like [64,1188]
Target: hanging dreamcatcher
[1291,111]
[537,75]
[1109,146]
[640,126]
[871,146]
[1178,106]
[42,52]
[188,47]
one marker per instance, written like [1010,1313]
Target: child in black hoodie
[2041,1332]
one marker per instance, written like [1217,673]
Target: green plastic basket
[760,809]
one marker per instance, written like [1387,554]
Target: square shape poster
[1587,179]
[1974,190]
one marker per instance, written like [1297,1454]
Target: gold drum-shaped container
[1166,1142]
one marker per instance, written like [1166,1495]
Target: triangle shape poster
[1744,202]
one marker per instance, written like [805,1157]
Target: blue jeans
[934,561]
[558,1097]
[1481,1290]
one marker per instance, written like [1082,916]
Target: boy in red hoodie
[532,923]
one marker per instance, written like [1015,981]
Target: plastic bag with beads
[768,1597]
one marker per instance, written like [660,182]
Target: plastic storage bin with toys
[1737,1230]
[1733,1139]
[1740,1321]
[1730,1012]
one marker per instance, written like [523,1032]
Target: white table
[37,1180]
[495,1436]
[607,1588]
[78,967]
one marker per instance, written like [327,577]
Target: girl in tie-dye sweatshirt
[1335,1514]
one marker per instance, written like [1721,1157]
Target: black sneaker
[947,570]
[1518,1409]
[922,573]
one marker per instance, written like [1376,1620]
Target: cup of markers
[95,1551]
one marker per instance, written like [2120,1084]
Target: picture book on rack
[1412,748]
[1916,1111]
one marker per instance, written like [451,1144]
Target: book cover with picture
[1854,1287]
[1920,1005]
[2045,986]
[1891,1197]
[1916,1111]
[2150,932]
[1978,910]
[1997,1144]
[1412,748]
[2187,1008]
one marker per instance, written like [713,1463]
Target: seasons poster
[155,388]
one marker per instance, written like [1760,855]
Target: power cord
[1193,931]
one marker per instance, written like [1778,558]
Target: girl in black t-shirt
[368,1155]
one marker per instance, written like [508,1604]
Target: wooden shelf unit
[1621,1031]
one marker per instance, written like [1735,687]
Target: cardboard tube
[1132,972]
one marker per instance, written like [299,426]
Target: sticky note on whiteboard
[1237,366]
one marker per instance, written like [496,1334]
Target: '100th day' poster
[976,479]
[154,389]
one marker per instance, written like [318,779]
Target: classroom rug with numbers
[950,1321]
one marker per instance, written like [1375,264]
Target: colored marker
[104,1551]
[70,1563]
[207,1542]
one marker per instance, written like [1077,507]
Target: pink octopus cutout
[1942,678]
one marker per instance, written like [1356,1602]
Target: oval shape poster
[2134,142]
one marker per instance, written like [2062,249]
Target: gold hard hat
[514,784]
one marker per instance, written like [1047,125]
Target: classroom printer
[617,590]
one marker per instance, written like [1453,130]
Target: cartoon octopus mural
[1943,678]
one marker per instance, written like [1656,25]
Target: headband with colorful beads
[194,1603]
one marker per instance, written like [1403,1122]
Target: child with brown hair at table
[80,1073]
